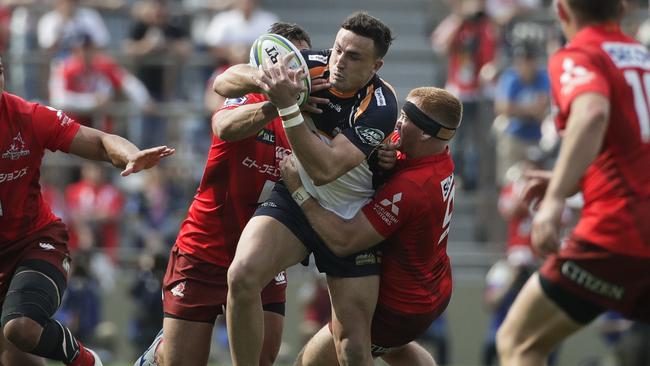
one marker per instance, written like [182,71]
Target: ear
[378,64]
[561,11]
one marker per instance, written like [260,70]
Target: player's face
[353,61]
[408,132]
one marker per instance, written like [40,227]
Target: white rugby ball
[272,47]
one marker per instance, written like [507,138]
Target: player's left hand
[290,176]
[146,159]
[545,235]
[387,155]
[317,84]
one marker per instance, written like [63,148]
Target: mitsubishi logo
[393,204]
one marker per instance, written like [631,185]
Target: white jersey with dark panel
[366,117]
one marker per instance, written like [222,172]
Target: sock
[57,343]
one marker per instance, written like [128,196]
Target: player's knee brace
[35,292]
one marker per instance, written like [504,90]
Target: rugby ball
[272,47]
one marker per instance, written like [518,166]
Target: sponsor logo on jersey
[336,107]
[318,58]
[46,246]
[179,289]
[17,149]
[234,101]
[590,282]
[379,350]
[66,265]
[369,136]
[11,176]
[392,203]
[269,204]
[446,185]
[626,55]
[379,95]
[281,278]
[266,136]
[63,119]
[574,76]
[281,152]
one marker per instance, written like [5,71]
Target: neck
[427,148]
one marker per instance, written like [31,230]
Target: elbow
[222,129]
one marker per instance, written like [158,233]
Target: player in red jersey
[600,86]
[34,258]
[242,166]
[411,214]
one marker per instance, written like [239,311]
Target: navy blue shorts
[283,208]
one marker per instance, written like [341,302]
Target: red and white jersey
[237,177]
[616,186]
[413,211]
[26,130]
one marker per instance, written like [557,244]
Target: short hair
[596,10]
[368,26]
[290,31]
[438,104]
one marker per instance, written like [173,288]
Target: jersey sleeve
[53,129]
[232,103]
[395,204]
[316,62]
[572,74]
[374,120]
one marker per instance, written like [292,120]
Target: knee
[242,280]
[352,351]
[24,333]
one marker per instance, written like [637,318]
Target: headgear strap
[427,124]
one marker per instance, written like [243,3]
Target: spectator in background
[154,39]
[94,208]
[85,83]
[146,321]
[59,29]
[81,307]
[231,33]
[468,39]
[315,302]
[437,337]
[522,99]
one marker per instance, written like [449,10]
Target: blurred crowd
[144,68]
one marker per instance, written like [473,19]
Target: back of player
[616,186]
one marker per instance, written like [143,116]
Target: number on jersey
[448,192]
[641,88]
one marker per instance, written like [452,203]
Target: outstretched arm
[93,144]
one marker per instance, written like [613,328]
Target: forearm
[329,226]
[116,150]
[244,121]
[236,81]
[580,146]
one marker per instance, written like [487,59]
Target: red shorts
[49,244]
[598,276]
[196,290]
[391,329]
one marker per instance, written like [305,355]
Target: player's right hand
[536,186]
[146,159]
[545,233]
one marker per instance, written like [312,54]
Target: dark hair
[596,10]
[290,31]
[367,26]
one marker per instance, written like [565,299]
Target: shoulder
[19,105]
[316,59]
[381,98]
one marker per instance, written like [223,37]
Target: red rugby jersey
[26,130]
[237,177]
[616,186]
[413,211]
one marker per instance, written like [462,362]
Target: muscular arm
[93,144]
[342,237]
[243,121]
[581,144]
[236,81]
[323,163]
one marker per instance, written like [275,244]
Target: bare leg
[411,354]
[353,304]
[10,355]
[319,350]
[185,342]
[273,324]
[265,248]
[533,327]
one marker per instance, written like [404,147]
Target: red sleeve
[232,103]
[393,205]
[488,45]
[114,72]
[54,130]
[573,73]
